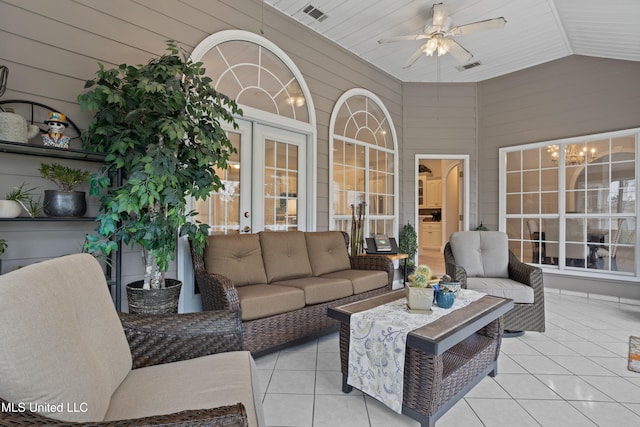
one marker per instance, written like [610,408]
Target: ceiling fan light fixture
[443,47]
[431,46]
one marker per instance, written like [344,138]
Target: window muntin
[255,77]
[571,205]
[363,167]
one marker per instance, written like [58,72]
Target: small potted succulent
[420,290]
[64,202]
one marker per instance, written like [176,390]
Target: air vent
[468,66]
[315,13]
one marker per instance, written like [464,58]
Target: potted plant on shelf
[17,199]
[159,125]
[408,244]
[64,202]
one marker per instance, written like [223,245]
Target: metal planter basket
[154,301]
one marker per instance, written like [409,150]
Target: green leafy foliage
[408,241]
[159,125]
[64,177]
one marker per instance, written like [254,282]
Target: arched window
[256,73]
[364,163]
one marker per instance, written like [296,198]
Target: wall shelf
[113,276]
[43,151]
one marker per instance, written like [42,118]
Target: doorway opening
[442,204]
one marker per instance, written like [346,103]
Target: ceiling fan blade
[475,27]
[403,38]
[415,56]
[440,15]
[456,50]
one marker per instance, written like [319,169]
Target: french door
[264,184]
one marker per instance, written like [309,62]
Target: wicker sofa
[283,282]
[66,360]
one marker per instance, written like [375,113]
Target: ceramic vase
[10,209]
[445,299]
[419,300]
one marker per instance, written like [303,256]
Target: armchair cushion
[64,344]
[504,288]
[236,255]
[225,378]
[481,253]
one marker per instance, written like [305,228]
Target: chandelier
[573,154]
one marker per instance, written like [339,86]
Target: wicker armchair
[524,316]
[152,340]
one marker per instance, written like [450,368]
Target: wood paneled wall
[573,96]
[52,48]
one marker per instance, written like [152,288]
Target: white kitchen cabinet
[434,194]
[430,235]
[422,190]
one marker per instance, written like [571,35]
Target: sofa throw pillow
[327,252]
[481,253]
[285,255]
[236,256]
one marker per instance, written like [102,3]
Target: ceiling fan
[437,35]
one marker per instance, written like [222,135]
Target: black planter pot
[154,301]
[65,203]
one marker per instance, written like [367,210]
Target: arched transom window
[255,77]
[363,163]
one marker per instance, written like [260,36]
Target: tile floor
[574,374]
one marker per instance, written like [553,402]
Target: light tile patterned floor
[575,374]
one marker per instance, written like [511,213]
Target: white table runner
[378,341]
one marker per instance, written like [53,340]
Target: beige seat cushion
[61,339]
[481,253]
[285,255]
[257,301]
[236,256]
[500,287]
[202,383]
[317,289]
[361,280]
[327,252]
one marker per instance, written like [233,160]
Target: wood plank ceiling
[537,31]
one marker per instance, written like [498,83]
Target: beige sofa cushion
[62,341]
[361,280]
[327,252]
[285,255]
[202,383]
[317,290]
[257,301]
[501,287]
[236,256]
[481,253]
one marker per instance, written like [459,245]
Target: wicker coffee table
[444,359]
